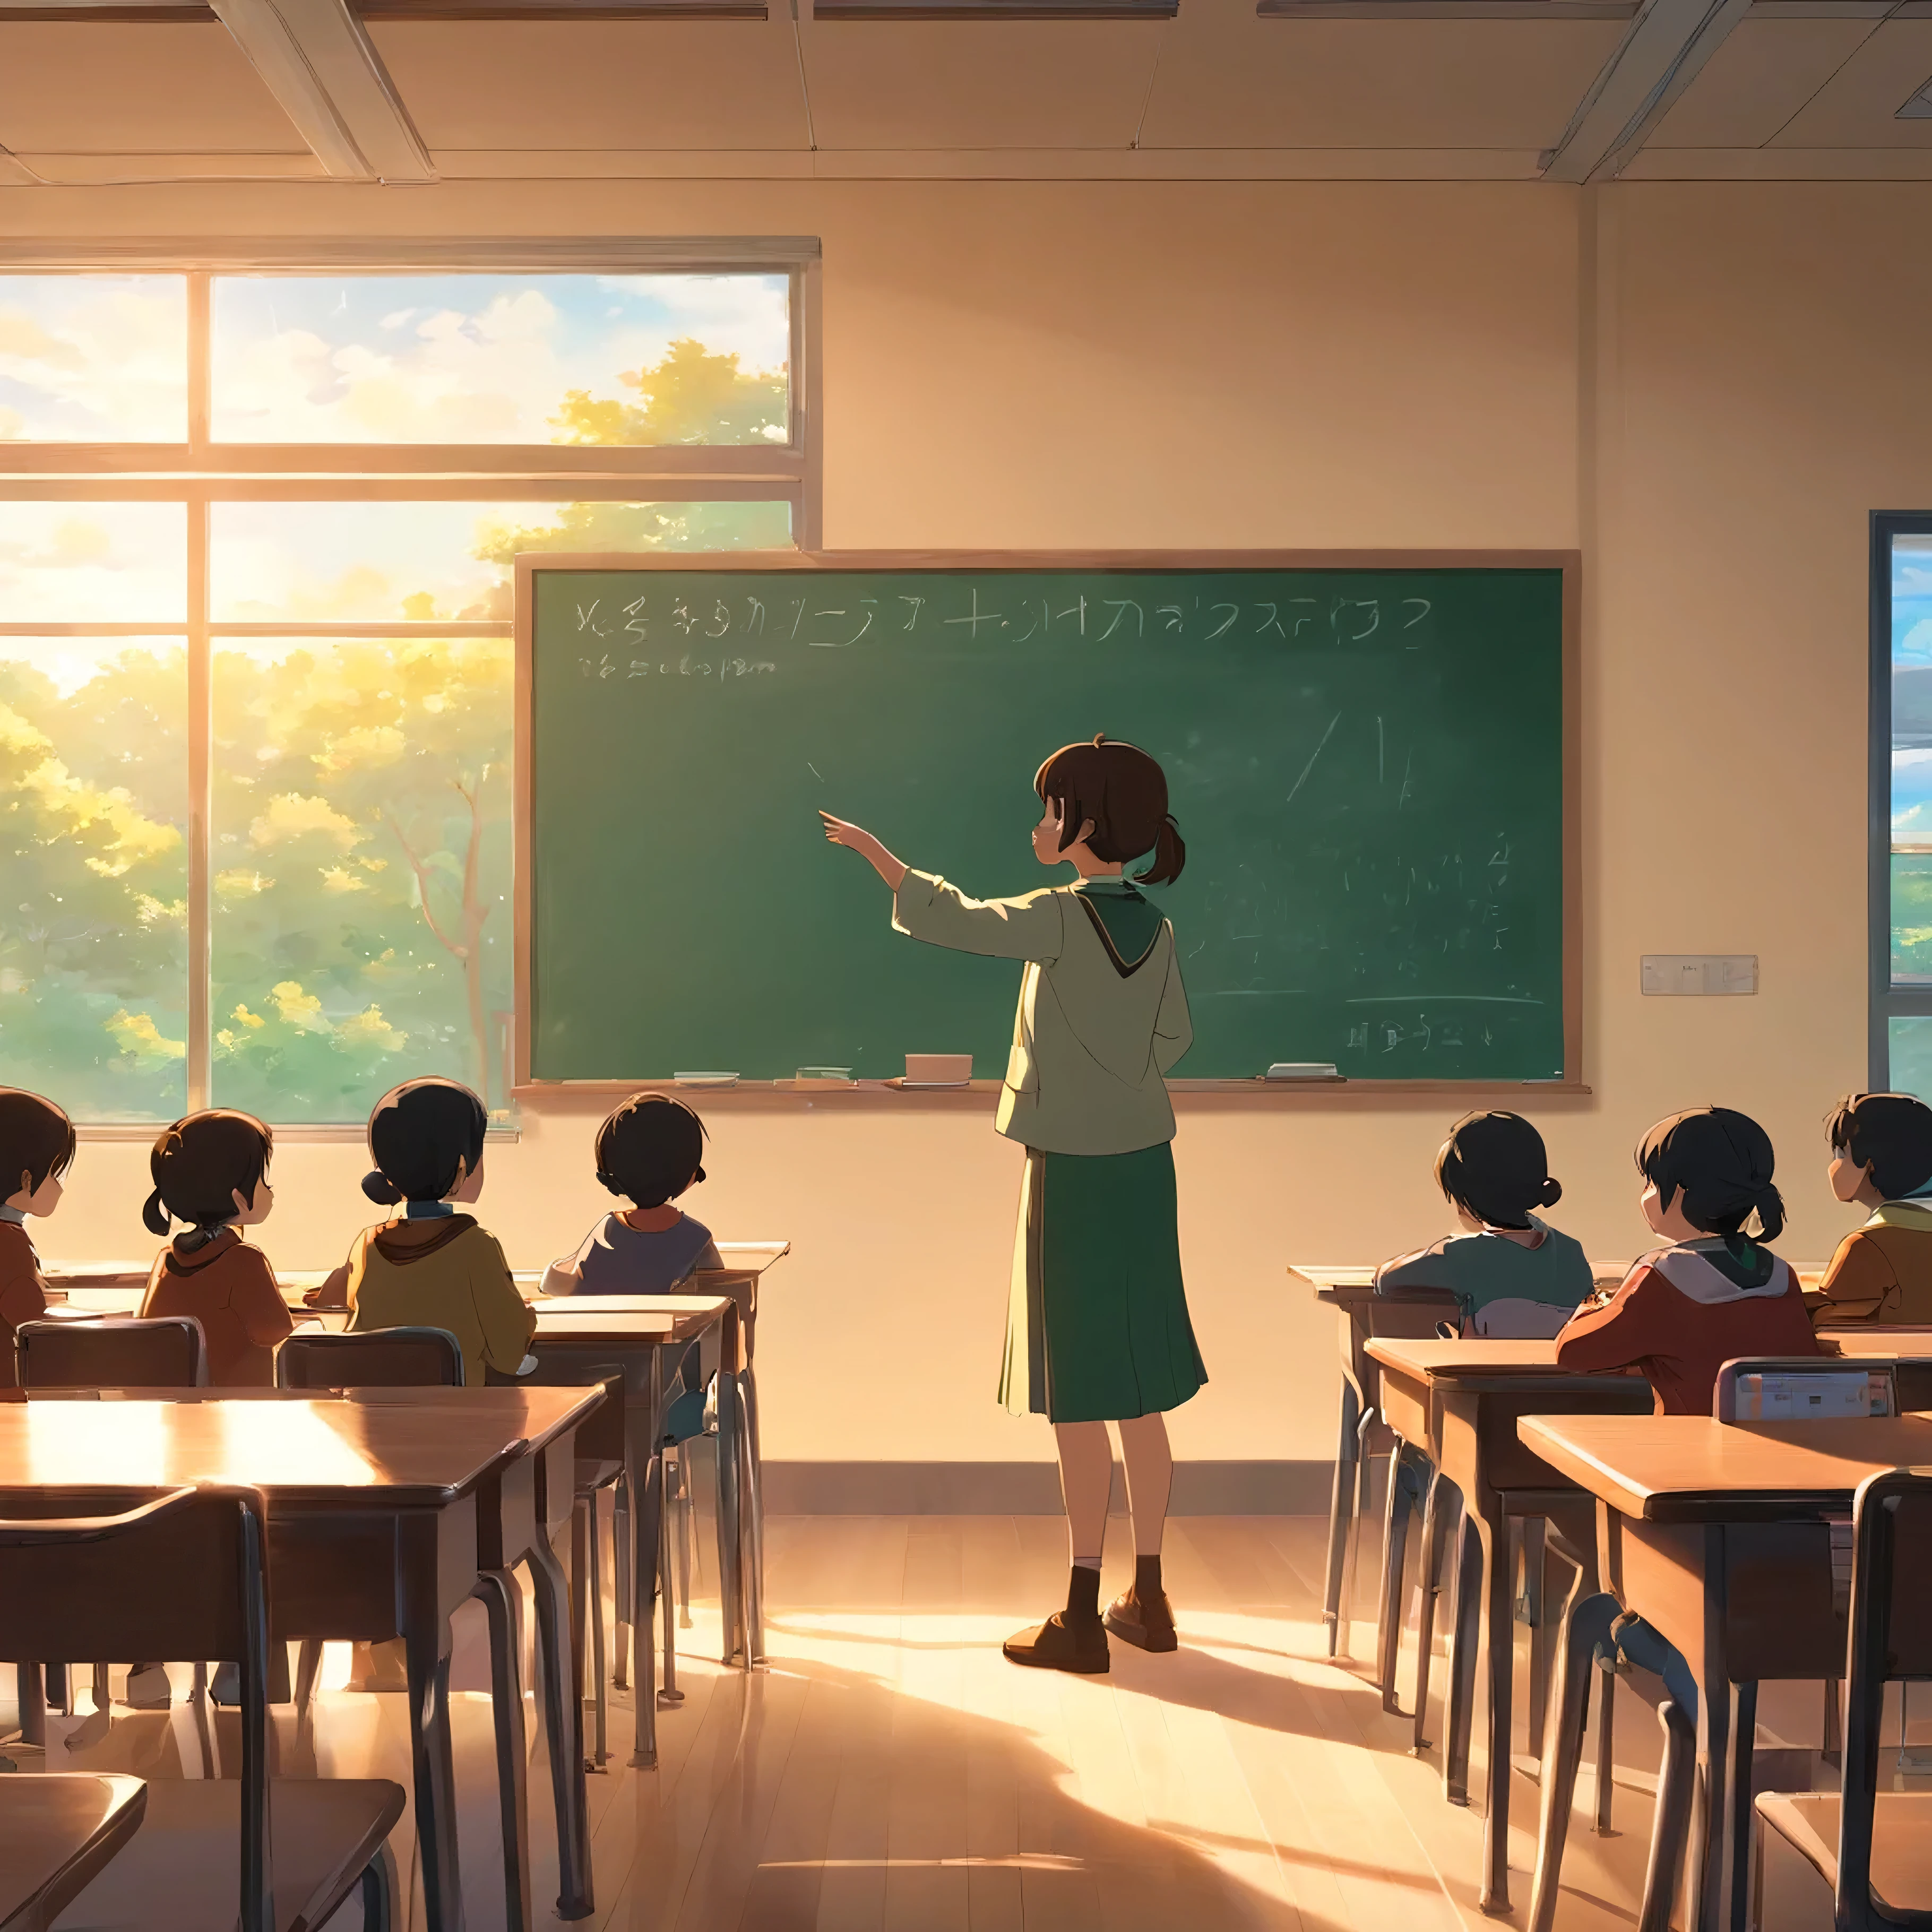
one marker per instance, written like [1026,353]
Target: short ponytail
[1170,854]
[381,1189]
[1549,1193]
[155,1216]
[1770,1213]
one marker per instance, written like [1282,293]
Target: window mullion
[200,739]
[200,373]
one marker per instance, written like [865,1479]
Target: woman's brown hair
[1123,790]
[200,1164]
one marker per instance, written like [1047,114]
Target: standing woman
[1096,1321]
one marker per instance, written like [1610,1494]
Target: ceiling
[1566,90]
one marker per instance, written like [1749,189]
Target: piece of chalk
[1302,1069]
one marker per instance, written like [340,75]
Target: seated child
[1712,1294]
[1685,1310]
[648,1152]
[1881,1161]
[211,1171]
[36,1149]
[1514,1274]
[431,1267]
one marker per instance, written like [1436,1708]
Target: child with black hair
[1881,1161]
[1713,1294]
[211,1170]
[36,1148]
[431,1266]
[649,1151]
[1514,1274]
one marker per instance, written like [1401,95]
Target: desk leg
[1341,1514]
[497,1590]
[1402,1469]
[1445,1500]
[753,1490]
[426,1643]
[1463,1630]
[644,1475]
[1536,1599]
[1499,1641]
[1585,1624]
[1744,1745]
[731,1601]
[563,1729]
[1710,1833]
[31,1694]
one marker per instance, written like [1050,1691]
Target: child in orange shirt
[36,1149]
[1881,1161]
[211,1171]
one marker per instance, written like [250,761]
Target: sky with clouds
[1912,650]
[462,358]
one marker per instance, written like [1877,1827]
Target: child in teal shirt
[1514,1274]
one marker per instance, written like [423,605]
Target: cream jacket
[1089,1043]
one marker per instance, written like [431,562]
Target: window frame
[199,472]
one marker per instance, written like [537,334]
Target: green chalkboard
[1367,763]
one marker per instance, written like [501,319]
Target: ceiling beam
[1657,59]
[318,62]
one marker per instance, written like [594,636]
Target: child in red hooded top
[1712,1294]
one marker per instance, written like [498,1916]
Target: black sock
[1146,1577]
[1083,1595]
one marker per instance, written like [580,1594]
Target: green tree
[693,394]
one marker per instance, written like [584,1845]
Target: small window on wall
[1901,803]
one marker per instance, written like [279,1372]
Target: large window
[257,535]
[1901,803]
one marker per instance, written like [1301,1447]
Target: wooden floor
[889,1769]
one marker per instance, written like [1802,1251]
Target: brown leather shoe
[1057,1645]
[1147,1623]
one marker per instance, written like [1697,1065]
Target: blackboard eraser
[1302,1069]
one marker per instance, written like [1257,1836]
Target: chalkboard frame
[1568,562]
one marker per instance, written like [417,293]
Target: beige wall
[1708,390]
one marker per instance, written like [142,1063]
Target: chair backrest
[85,1577]
[1891,1636]
[1514,1318]
[371,1358]
[1802,1388]
[113,1351]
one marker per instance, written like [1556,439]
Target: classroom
[479,479]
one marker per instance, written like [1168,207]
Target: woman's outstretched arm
[856,839]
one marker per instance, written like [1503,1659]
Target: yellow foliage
[248,1019]
[152,911]
[369,1028]
[240,882]
[294,815]
[367,745]
[297,1008]
[341,879]
[139,1037]
[419,606]
[132,838]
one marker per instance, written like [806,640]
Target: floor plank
[889,1772]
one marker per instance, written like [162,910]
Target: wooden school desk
[1361,1312]
[590,1329]
[1717,1533]
[57,1833]
[372,1525]
[1460,1402]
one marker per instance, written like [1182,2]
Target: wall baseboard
[1033,1489]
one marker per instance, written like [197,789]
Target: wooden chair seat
[1807,1821]
[181,1872]
[56,1832]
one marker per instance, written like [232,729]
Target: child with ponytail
[1514,1274]
[210,1171]
[1713,1292]
[432,1266]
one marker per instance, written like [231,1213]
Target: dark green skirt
[1097,1319]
